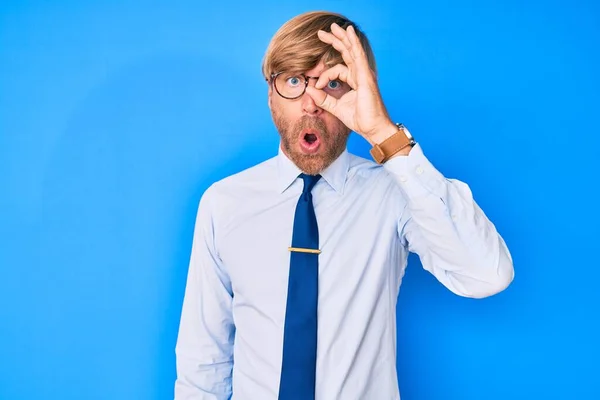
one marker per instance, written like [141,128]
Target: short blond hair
[295,47]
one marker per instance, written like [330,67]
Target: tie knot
[309,182]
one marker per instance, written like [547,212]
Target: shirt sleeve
[204,349]
[445,227]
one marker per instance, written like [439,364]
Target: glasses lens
[289,85]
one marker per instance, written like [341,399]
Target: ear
[270,94]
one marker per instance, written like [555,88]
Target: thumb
[322,99]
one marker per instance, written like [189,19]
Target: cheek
[282,119]
[334,125]
[290,110]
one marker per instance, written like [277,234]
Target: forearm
[204,349]
[453,237]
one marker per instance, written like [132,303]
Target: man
[297,262]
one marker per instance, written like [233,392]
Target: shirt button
[403,178]
[419,170]
[454,217]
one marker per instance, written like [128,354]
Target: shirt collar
[334,175]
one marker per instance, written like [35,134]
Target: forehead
[313,72]
[317,70]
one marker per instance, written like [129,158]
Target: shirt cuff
[416,175]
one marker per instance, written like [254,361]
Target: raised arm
[443,224]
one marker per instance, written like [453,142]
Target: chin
[311,164]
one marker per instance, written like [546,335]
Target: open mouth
[310,138]
[310,141]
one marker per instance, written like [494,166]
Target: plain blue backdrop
[116,116]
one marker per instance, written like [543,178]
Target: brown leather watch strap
[383,151]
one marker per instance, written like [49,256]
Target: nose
[308,105]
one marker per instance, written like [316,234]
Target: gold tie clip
[303,250]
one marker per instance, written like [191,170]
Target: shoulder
[241,185]
[361,168]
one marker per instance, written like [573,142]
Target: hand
[361,109]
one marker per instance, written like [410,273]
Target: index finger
[338,71]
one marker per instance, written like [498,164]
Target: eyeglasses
[292,86]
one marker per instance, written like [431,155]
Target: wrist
[381,134]
[390,141]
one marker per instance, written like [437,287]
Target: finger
[353,37]
[341,34]
[349,38]
[337,44]
[360,54]
[322,99]
[356,48]
[337,72]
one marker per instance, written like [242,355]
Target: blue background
[115,117]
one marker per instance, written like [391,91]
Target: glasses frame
[306,80]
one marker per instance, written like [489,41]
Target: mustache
[307,122]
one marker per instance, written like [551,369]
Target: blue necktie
[300,332]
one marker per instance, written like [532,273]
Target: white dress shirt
[370,216]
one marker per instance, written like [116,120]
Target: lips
[310,141]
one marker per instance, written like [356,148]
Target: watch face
[407,132]
[401,126]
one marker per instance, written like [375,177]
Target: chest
[358,240]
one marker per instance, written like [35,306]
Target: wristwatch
[383,151]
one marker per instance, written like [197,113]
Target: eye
[334,85]
[294,81]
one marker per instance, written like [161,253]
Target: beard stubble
[332,143]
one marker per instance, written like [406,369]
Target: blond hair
[295,47]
